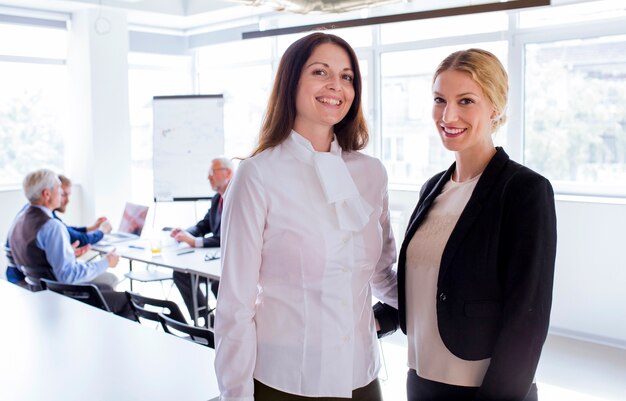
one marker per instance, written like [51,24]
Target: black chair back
[9,256]
[87,293]
[139,303]
[199,335]
[13,273]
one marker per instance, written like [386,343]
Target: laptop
[131,225]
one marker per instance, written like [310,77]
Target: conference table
[56,348]
[197,262]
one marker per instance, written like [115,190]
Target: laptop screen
[133,219]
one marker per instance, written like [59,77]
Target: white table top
[171,256]
[57,348]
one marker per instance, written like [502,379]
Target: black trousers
[118,303]
[371,392]
[420,389]
[183,283]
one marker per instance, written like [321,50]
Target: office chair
[199,335]
[13,273]
[148,275]
[87,293]
[140,302]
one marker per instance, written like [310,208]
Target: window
[425,29]
[244,76]
[557,86]
[357,37]
[575,113]
[33,101]
[33,41]
[572,13]
[412,149]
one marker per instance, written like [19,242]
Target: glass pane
[229,53]
[149,76]
[246,90]
[33,112]
[575,113]
[284,41]
[463,25]
[31,41]
[412,150]
[152,61]
[356,37]
[583,12]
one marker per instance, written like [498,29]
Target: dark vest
[23,242]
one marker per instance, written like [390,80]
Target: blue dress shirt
[80,234]
[53,238]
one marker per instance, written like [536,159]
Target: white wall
[99,151]
[11,201]
[590,280]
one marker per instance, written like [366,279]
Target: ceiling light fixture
[411,16]
[318,6]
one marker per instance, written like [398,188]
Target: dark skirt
[420,389]
[262,392]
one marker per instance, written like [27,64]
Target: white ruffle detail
[352,210]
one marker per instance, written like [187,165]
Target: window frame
[557,33]
[516,39]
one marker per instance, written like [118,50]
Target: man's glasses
[208,257]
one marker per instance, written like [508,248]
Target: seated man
[14,274]
[40,244]
[79,237]
[220,174]
[84,235]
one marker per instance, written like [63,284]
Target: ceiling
[192,14]
[174,14]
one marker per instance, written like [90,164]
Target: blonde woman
[476,267]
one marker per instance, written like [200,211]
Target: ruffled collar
[338,186]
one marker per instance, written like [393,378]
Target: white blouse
[306,239]
[428,355]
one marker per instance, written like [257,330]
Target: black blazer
[209,224]
[494,290]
